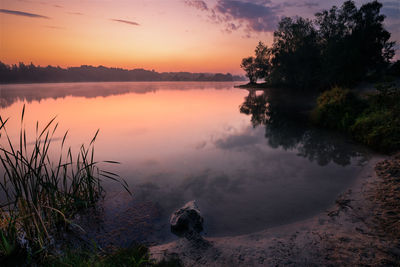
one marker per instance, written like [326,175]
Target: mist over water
[245,157]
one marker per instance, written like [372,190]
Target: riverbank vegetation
[373,120]
[333,53]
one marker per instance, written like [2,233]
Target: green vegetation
[39,198]
[337,109]
[374,120]
[340,46]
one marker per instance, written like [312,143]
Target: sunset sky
[165,35]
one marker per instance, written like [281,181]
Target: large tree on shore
[295,53]
[353,42]
[250,68]
[341,46]
[257,67]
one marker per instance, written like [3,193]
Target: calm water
[246,158]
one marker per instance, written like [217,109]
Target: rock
[187,221]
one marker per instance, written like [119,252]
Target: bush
[379,125]
[374,121]
[378,129]
[337,109]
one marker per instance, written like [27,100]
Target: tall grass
[40,196]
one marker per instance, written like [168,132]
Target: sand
[361,229]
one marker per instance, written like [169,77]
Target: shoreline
[345,234]
[119,81]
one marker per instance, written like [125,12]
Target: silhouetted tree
[250,68]
[296,54]
[340,47]
[31,74]
[257,67]
[353,42]
[261,61]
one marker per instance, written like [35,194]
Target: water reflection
[11,93]
[183,141]
[286,125]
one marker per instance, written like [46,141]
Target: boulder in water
[187,221]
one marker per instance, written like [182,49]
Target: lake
[247,158]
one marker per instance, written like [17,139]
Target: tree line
[22,73]
[340,46]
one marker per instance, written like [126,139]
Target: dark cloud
[75,13]
[393,12]
[54,27]
[126,22]
[197,4]
[391,4]
[299,4]
[310,4]
[24,14]
[255,16]
[258,17]
[58,6]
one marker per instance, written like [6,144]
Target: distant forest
[22,73]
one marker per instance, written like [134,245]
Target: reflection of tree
[286,126]
[257,107]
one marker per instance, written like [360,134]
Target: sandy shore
[361,229]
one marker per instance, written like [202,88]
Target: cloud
[126,22]
[254,16]
[24,14]
[197,4]
[310,4]
[54,27]
[258,17]
[393,13]
[391,4]
[75,13]
[298,4]
[201,145]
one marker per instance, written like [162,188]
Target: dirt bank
[363,228]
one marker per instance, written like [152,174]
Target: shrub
[379,125]
[337,109]
[378,129]
[374,121]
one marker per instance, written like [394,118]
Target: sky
[164,35]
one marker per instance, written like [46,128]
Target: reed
[40,196]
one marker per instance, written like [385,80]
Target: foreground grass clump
[40,196]
[374,121]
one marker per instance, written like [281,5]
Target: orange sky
[171,35]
